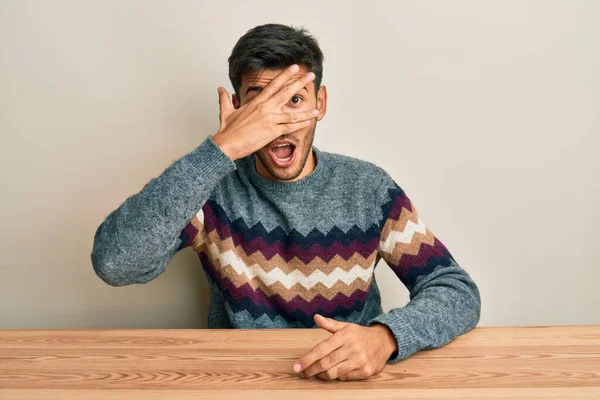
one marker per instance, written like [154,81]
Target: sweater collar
[309,181]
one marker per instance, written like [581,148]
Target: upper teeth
[281,145]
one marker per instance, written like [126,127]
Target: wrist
[225,146]
[387,338]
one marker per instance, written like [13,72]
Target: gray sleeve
[444,300]
[135,242]
[443,305]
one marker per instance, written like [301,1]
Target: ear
[322,102]
[236,101]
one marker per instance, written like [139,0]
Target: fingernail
[295,68]
[310,75]
[297,367]
[315,111]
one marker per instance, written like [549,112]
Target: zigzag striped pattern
[406,244]
[289,277]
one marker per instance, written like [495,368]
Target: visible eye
[296,100]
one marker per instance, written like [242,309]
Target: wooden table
[487,363]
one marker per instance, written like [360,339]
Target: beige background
[487,113]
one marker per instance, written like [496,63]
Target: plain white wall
[485,112]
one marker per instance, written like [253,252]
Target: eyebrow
[254,88]
[260,88]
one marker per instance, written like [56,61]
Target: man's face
[286,163]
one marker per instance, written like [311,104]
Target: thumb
[329,324]
[225,106]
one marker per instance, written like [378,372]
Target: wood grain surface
[487,363]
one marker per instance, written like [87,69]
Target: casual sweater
[277,253]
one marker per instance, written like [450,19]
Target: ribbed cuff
[405,337]
[209,163]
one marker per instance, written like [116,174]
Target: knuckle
[362,358]
[321,350]
[322,364]
[262,109]
[367,370]
[287,91]
[328,374]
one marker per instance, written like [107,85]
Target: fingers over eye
[289,117]
[285,93]
[277,83]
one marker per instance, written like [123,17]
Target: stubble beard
[265,159]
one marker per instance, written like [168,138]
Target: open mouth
[283,154]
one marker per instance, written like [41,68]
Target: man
[289,235]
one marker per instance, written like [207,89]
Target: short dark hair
[274,46]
